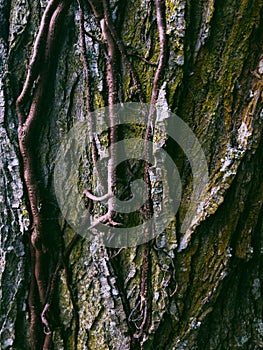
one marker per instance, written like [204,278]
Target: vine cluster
[31,111]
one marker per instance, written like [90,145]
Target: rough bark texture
[204,288]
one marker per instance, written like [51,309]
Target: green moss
[99,101]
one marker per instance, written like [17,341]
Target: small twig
[175,290]
[131,318]
[117,253]
[141,328]
[44,320]
[96,198]
[106,218]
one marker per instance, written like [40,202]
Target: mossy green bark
[207,295]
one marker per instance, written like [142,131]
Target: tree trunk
[198,288]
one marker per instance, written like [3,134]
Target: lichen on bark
[213,81]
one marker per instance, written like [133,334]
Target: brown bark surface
[200,289]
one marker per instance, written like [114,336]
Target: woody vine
[32,112]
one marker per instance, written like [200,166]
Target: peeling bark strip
[39,73]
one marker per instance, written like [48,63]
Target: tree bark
[200,289]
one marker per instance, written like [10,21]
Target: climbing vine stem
[35,93]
